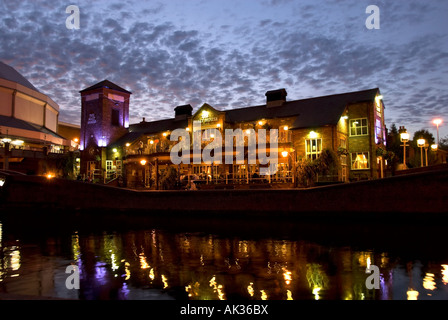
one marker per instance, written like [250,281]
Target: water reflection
[156,264]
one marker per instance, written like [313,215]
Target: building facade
[30,141]
[350,125]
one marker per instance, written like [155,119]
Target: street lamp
[437,122]
[421,143]
[285,154]
[404,137]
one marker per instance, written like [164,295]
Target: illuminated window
[358,127]
[313,148]
[360,160]
[284,135]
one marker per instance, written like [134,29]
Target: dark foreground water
[245,261]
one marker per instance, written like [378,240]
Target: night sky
[228,53]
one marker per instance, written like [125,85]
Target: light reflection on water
[157,264]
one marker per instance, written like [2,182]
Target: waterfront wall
[416,193]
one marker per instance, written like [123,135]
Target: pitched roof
[11,74]
[106,84]
[158,126]
[312,112]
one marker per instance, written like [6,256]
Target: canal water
[212,261]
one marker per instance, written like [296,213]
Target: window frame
[353,160]
[310,155]
[361,127]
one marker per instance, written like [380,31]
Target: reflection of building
[28,125]
[351,125]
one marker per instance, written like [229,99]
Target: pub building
[138,155]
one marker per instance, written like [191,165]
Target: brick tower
[104,119]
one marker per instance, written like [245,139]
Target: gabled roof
[11,74]
[106,84]
[312,112]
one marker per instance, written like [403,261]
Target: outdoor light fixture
[437,122]
[187,129]
[344,117]
[143,162]
[128,144]
[205,114]
[164,134]
[17,142]
[76,140]
[151,142]
[218,125]
[284,154]
[313,135]
[285,128]
[2,182]
[114,150]
[6,140]
[248,131]
[260,123]
[404,137]
[421,143]
[49,176]
[434,147]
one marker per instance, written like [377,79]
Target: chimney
[143,120]
[183,112]
[275,98]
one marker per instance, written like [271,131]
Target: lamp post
[434,148]
[143,163]
[437,122]
[404,137]
[421,143]
[285,154]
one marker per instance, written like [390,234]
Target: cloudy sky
[228,53]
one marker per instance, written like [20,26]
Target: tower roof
[106,84]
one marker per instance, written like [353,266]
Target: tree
[308,170]
[169,179]
[444,143]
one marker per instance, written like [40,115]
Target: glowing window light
[6,140]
